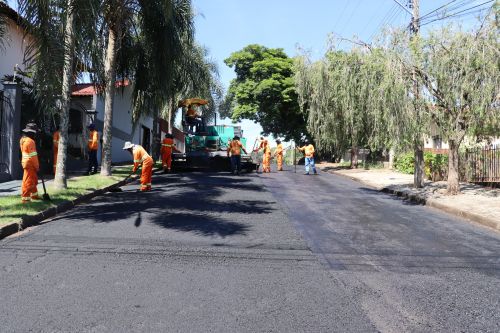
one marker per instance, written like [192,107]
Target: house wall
[123,128]
[13,51]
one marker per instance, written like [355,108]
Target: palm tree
[52,57]
[143,42]
[3,23]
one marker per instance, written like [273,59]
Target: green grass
[11,208]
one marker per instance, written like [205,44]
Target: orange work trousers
[146,174]
[266,163]
[279,161]
[166,160]
[29,186]
[55,160]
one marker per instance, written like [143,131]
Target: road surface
[282,252]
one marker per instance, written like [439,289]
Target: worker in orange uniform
[167,146]
[141,157]
[308,150]
[92,146]
[234,149]
[266,158]
[55,146]
[279,155]
[30,164]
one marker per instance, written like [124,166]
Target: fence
[482,165]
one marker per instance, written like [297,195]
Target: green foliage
[435,164]
[264,91]
[404,163]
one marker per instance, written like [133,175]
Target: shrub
[405,163]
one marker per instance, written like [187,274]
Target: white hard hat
[128,145]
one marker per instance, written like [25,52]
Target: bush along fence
[482,165]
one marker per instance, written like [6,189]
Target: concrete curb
[31,220]
[485,221]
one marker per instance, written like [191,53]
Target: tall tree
[264,91]
[53,54]
[144,38]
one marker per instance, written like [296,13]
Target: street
[279,252]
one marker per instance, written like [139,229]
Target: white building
[87,107]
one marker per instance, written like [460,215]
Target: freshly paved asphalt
[281,252]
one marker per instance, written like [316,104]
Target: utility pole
[419,173]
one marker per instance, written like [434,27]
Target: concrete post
[11,128]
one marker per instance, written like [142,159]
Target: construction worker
[167,145]
[266,158]
[308,150]
[141,157]
[30,164]
[234,149]
[279,155]
[92,146]
[55,146]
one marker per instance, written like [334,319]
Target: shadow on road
[191,203]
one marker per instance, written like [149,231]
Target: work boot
[306,173]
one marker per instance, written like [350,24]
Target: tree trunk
[391,158]
[156,136]
[419,170]
[453,186]
[109,94]
[60,179]
[354,157]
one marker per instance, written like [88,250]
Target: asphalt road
[209,252]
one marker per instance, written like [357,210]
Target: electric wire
[461,13]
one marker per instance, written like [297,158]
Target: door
[146,139]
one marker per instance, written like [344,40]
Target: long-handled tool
[119,189]
[45,195]
[294,158]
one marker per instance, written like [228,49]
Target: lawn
[11,208]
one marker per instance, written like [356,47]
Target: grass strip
[11,208]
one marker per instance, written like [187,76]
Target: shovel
[119,189]
[45,195]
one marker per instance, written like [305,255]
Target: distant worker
[308,150]
[266,157]
[55,146]
[167,146]
[141,157]
[30,164]
[193,117]
[92,146]
[234,149]
[279,155]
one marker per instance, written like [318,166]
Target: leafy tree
[3,23]
[143,39]
[51,57]
[264,91]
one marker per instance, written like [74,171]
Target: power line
[457,6]
[384,20]
[435,10]
[461,13]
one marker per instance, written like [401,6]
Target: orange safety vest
[308,150]
[29,154]
[167,145]
[93,140]
[141,156]
[279,149]
[55,139]
[234,147]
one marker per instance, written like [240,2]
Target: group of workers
[235,147]
[141,157]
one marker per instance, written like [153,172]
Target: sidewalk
[476,203]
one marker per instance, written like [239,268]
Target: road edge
[32,220]
[484,221]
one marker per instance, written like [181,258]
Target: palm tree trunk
[109,95]
[60,180]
